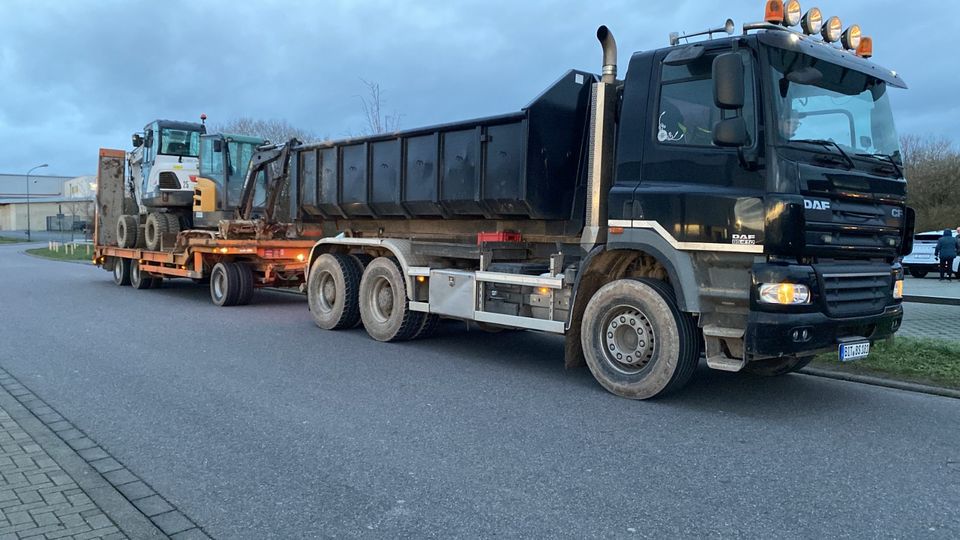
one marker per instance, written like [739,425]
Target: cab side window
[686,112]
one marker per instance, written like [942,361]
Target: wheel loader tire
[138,279]
[245,283]
[775,367]
[128,229]
[173,224]
[153,231]
[121,272]
[333,291]
[384,308]
[224,284]
[637,342]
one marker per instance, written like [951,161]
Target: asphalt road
[257,424]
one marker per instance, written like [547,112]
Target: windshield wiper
[828,143]
[889,159]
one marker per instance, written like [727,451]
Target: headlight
[784,293]
[832,30]
[898,289]
[791,13]
[851,38]
[812,22]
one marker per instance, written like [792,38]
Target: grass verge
[926,361]
[8,240]
[79,254]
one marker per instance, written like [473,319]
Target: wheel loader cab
[224,160]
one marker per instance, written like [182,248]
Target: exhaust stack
[609,73]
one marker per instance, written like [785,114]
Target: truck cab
[165,156]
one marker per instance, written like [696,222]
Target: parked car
[921,260]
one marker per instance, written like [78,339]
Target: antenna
[727,27]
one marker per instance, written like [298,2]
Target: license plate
[854,351]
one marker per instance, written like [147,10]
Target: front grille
[856,293]
[168,180]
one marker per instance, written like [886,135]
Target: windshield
[844,106]
[179,142]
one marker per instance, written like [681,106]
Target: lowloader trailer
[741,197]
[236,259]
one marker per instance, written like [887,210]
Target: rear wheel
[139,279]
[224,284]
[173,223]
[776,367]
[918,273]
[121,272]
[128,227]
[384,308]
[245,283]
[637,342]
[153,231]
[333,291]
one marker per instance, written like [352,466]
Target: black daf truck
[739,198]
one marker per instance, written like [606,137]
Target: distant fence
[66,223]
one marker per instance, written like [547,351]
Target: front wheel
[776,367]
[637,342]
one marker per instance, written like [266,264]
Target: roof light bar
[791,13]
[812,22]
[851,38]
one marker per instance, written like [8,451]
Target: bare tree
[932,168]
[378,121]
[275,130]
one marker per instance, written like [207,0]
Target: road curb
[880,381]
[35,256]
[940,300]
[118,492]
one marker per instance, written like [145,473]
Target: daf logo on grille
[813,204]
[897,213]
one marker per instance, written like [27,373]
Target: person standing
[946,250]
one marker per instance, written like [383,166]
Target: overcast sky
[77,76]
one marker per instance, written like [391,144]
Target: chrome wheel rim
[628,338]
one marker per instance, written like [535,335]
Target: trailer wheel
[637,342]
[244,284]
[121,272]
[384,308]
[139,279]
[776,367]
[155,227]
[224,284]
[128,228]
[333,291]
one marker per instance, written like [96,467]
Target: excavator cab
[224,160]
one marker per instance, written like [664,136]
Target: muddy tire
[776,367]
[333,291]
[224,284]
[153,230]
[637,342]
[428,327]
[384,308]
[173,224]
[245,283]
[121,272]
[128,228]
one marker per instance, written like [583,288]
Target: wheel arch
[399,248]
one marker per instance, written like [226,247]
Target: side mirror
[137,140]
[218,145]
[730,133]
[728,81]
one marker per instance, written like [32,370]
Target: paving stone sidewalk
[38,499]
[57,482]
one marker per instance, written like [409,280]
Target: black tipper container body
[524,165]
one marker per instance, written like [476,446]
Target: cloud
[76,76]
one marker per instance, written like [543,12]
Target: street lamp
[28,197]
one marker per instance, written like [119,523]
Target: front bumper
[771,335]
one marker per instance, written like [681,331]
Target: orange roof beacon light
[832,30]
[812,22]
[791,13]
[865,49]
[774,12]
[851,38]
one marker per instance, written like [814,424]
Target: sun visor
[794,42]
